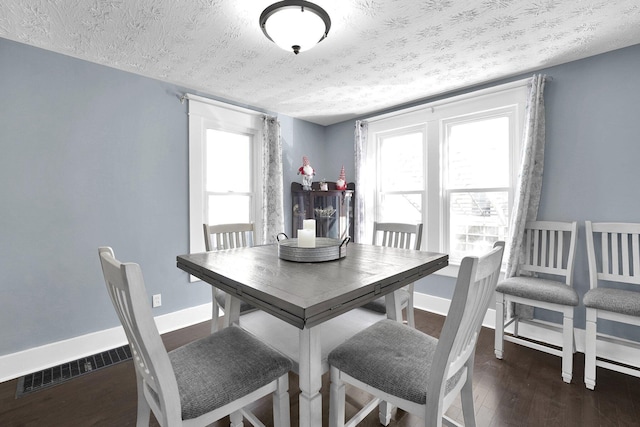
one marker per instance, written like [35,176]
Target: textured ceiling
[379,53]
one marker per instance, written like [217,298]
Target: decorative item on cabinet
[332,209]
[307,173]
[341,183]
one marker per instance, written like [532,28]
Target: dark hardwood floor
[523,389]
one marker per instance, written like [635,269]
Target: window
[229,177]
[224,154]
[401,176]
[451,165]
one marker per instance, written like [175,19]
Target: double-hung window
[451,165]
[225,152]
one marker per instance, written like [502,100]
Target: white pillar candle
[306,238]
[309,224]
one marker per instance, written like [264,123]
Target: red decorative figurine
[341,183]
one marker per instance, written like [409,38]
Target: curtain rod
[190,96]
[455,98]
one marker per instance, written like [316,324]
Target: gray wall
[93,156]
[592,153]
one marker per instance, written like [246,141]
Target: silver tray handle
[344,244]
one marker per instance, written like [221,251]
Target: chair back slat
[615,256]
[397,235]
[618,258]
[625,254]
[228,236]
[549,248]
[560,237]
[536,247]
[635,244]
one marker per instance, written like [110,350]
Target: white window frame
[433,118]
[206,114]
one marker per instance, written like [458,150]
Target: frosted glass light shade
[295,25]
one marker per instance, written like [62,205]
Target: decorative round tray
[326,249]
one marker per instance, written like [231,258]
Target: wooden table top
[306,294]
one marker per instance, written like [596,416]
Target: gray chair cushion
[539,290]
[390,357]
[223,367]
[615,300]
[221,298]
[380,306]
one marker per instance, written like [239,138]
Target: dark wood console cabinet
[332,209]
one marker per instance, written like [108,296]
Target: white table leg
[394,311]
[310,380]
[231,310]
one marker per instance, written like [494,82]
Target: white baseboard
[35,359]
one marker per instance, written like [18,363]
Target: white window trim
[203,114]
[433,115]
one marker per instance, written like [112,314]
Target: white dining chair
[544,279]
[226,236]
[203,381]
[613,251]
[403,236]
[407,368]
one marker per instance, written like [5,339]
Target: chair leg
[411,319]
[144,411]
[281,416]
[466,397]
[236,419]
[337,398]
[567,345]
[499,330]
[215,311]
[590,349]
[384,412]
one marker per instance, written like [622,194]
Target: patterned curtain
[272,187]
[529,186]
[360,217]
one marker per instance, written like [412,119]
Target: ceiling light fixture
[295,24]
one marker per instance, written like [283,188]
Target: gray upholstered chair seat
[392,358]
[615,300]
[244,306]
[380,306]
[539,289]
[219,369]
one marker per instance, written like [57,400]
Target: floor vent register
[58,374]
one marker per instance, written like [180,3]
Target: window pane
[477,220]
[479,154]
[228,166]
[401,162]
[228,209]
[400,208]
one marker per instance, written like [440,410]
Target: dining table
[305,309]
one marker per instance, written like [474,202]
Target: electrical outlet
[157,301]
